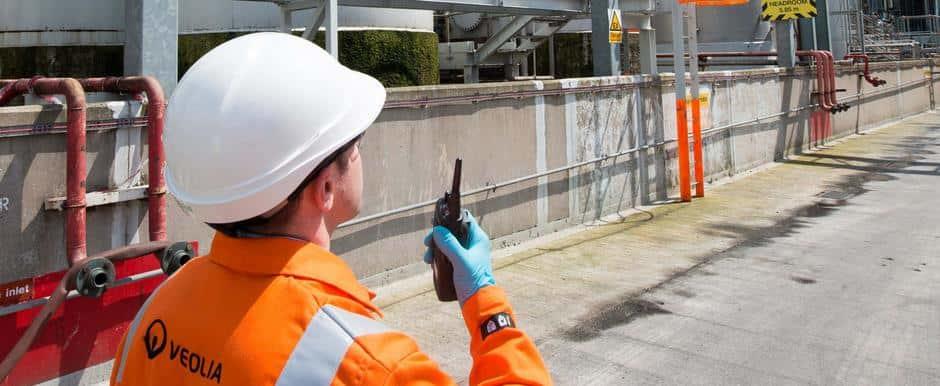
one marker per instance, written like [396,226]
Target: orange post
[697,138]
[682,138]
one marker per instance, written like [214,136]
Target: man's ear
[322,189]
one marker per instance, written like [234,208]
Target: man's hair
[250,226]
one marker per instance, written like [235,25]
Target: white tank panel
[201,16]
[58,15]
[727,28]
[196,16]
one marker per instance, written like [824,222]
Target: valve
[95,277]
[175,256]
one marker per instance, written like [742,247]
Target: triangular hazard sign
[615,23]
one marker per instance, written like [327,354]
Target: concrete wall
[408,155]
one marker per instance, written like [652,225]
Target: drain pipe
[822,85]
[874,81]
[819,119]
[831,68]
[834,99]
[75,246]
[156,107]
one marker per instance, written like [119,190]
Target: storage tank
[85,37]
[720,29]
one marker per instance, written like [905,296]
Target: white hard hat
[254,117]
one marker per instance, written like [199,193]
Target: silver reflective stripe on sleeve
[322,347]
[132,329]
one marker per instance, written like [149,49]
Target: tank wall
[731,28]
[499,140]
[207,16]
[32,15]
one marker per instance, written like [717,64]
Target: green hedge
[69,61]
[573,55]
[396,58]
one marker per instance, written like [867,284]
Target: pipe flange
[175,256]
[95,277]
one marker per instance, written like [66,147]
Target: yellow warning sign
[616,27]
[776,10]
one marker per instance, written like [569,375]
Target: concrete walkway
[823,269]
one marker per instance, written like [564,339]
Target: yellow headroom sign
[616,27]
[776,10]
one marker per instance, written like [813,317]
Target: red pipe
[75,248]
[830,62]
[868,78]
[156,107]
[822,83]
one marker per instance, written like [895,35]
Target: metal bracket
[100,198]
[319,15]
[472,72]
[326,14]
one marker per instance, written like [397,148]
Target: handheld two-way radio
[447,213]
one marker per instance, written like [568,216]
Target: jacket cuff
[488,301]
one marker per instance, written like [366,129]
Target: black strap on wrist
[495,323]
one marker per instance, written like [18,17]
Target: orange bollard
[682,138]
[697,138]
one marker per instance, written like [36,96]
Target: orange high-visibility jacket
[276,311]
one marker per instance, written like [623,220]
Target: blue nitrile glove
[473,268]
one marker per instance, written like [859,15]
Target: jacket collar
[289,257]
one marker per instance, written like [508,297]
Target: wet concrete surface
[822,270]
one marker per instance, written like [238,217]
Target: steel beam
[515,7]
[500,38]
[472,71]
[319,16]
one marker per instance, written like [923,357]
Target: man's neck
[314,232]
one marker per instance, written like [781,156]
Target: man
[262,144]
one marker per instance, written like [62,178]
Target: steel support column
[331,22]
[696,104]
[821,21]
[606,55]
[287,20]
[648,51]
[151,33]
[551,55]
[786,43]
[807,28]
[682,128]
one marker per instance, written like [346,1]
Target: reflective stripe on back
[322,347]
[132,329]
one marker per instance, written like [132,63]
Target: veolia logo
[155,338]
